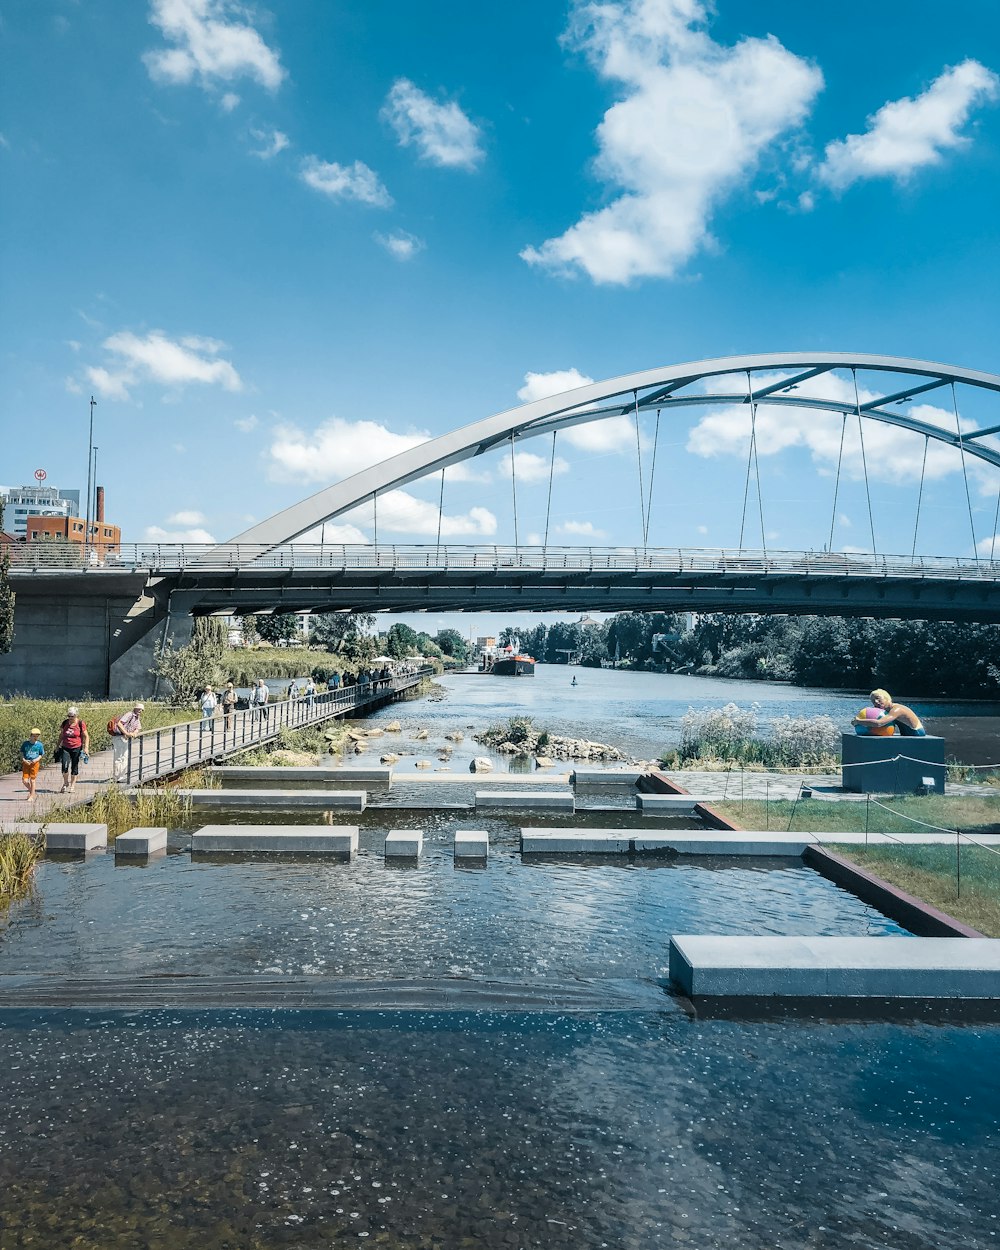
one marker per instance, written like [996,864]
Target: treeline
[913,657]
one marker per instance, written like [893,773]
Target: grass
[18,715]
[895,814]
[156,806]
[19,853]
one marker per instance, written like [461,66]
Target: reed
[19,854]
[121,811]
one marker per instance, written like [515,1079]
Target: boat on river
[512,663]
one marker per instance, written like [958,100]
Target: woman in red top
[74,741]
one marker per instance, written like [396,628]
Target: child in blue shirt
[32,751]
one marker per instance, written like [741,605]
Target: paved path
[14,803]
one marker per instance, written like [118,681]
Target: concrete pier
[404,844]
[575,842]
[79,837]
[835,967]
[666,804]
[606,776]
[553,800]
[141,841]
[317,776]
[328,800]
[472,844]
[276,839]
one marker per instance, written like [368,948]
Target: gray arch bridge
[115,612]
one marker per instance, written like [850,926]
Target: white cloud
[693,124]
[529,467]
[807,202]
[345,182]
[441,133]
[186,518]
[156,534]
[580,529]
[545,385]
[333,532]
[911,133]
[702,529]
[272,142]
[210,44]
[612,434]
[892,454]
[229,102]
[989,547]
[399,244]
[399,512]
[158,358]
[246,424]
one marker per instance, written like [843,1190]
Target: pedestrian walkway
[14,803]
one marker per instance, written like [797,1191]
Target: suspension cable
[965,475]
[513,487]
[746,483]
[836,485]
[996,522]
[756,465]
[375,507]
[920,495]
[440,513]
[638,460]
[652,474]
[864,461]
[548,505]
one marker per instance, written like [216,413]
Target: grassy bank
[896,814]
[156,807]
[17,716]
[18,856]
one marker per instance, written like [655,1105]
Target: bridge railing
[46,557]
[161,752]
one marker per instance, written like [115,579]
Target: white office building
[20,502]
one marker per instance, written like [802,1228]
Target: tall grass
[156,806]
[19,715]
[19,853]
[731,735]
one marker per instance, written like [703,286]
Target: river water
[641,713]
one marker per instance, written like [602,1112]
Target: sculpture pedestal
[892,765]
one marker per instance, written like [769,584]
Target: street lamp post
[90,464]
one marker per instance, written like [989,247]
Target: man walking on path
[125,728]
[261,694]
[208,705]
[310,692]
[32,751]
[228,701]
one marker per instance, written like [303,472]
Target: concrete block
[724,842]
[81,837]
[318,776]
[404,844]
[666,804]
[141,841]
[835,967]
[472,844]
[606,776]
[574,841]
[328,800]
[277,839]
[552,800]
[895,764]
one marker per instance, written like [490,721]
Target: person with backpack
[122,730]
[72,747]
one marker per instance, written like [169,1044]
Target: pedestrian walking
[228,701]
[208,705]
[260,696]
[123,729]
[310,693]
[32,751]
[72,747]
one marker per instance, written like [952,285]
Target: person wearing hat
[74,742]
[126,727]
[32,751]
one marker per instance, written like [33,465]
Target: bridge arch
[666,388]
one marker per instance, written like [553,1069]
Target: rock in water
[420,735]
[543,761]
[394,727]
[388,758]
[480,765]
[422,764]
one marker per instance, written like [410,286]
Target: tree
[280,627]
[400,641]
[330,629]
[535,641]
[188,670]
[249,630]
[6,601]
[453,644]
[508,636]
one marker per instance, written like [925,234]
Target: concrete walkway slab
[835,967]
[317,776]
[607,776]
[142,841]
[404,844]
[575,841]
[561,800]
[276,839]
[329,800]
[76,837]
[472,844]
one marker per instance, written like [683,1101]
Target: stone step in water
[472,844]
[671,804]
[404,844]
[329,800]
[141,841]
[553,800]
[320,776]
[835,967]
[606,776]
[276,839]
[72,837]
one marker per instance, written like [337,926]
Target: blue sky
[278,242]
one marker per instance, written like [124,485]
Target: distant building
[20,502]
[105,539]
[486,644]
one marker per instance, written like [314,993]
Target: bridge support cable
[920,496]
[836,484]
[437,553]
[638,460]
[548,502]
[513,488]
[752,460]
[652,475]
[864,461]
[375,512]
[965,475]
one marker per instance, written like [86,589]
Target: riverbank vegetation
[518,736]
[19,854]
[718,738]
[18,716]
[925,658]
[152,806]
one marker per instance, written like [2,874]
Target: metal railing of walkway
[42,557]
[161,752]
